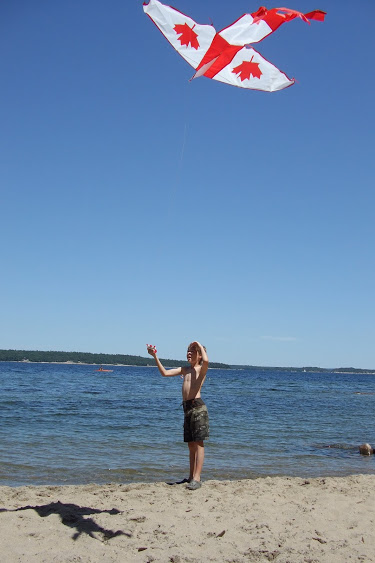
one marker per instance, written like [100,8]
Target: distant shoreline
[88,358]
[69,363]
[243,368]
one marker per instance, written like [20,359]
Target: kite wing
[227,56]
[252,28]
[190,39]
[248,69]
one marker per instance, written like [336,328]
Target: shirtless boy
[196,428]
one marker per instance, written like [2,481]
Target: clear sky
[138,207]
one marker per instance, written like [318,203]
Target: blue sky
[138,207]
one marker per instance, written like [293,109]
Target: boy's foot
[194,485]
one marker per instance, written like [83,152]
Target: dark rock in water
[366,449]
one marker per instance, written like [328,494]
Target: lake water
[69,424]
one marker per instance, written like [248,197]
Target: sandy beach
[272,519]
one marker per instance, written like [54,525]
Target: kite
[228,55]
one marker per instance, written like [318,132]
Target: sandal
[194,485]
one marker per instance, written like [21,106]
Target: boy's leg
[192,452]
[199,459]
[196,455]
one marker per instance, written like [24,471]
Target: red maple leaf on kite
[246,69]
[187,35]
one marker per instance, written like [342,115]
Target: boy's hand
[151,349]
[202,350]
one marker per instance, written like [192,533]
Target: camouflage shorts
[196,426]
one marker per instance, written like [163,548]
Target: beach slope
[281,519]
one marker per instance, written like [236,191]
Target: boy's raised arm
[165,372]
[204,357]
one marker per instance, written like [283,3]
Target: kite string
[161,250]
[177,183]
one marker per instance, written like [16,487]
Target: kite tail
[317,15]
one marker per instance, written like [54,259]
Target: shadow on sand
[178,482]
[72,515]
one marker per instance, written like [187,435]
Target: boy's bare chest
[192,376]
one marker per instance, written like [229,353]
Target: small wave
[336,446]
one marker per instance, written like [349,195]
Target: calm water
[65,424]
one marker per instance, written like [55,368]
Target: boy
[196,428]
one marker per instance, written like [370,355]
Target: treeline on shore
[87,358]
[125,359]
[307,369]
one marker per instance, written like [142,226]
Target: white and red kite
[227,56]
